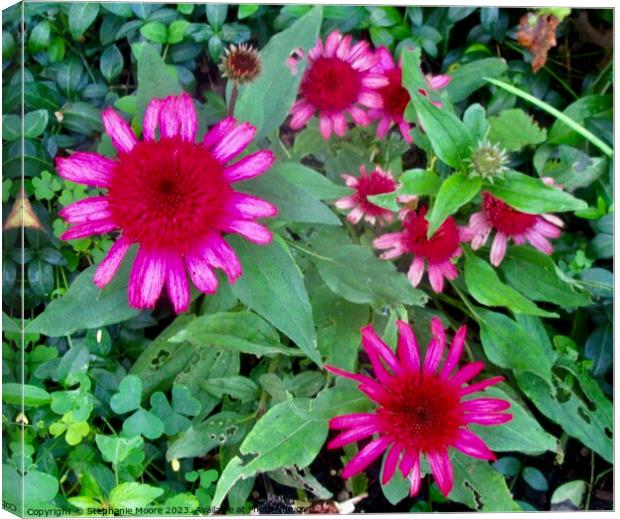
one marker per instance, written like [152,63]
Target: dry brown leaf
[537,34]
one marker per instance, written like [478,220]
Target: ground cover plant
[306,258]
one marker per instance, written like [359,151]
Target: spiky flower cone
[241,63]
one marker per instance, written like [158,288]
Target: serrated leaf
[514,129]
[133,495]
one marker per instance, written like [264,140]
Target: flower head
[375,183]
[395,96]
[422,409]
[511,224]
[336,81]
[488,161]
[172,197]
[438,251]
[241,63]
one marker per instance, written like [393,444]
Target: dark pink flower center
[165,194]
[331,84]
[504,218]
[440,247]
[422,414]
[373,184]
[395,97]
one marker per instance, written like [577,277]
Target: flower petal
[353,435]
[252,231]
[498,249]
[151,119]
[176,283]
[374,345]
[415,477]
[86,168]
[325,125]
[250,166]
[467,372]
[216,251]
[442,471]
[485,405]
[435,276]
[346,421]
[391,463]
[455,352]
[201,272]
[177,117]
[107,269]
[408,351]
[146,279]
[472,445]
[86,210]
[218,131]
[435,349]
[365,457]
[488,419]
[85,229]
[233,142]
[480,386]
[248,206]
[123,138]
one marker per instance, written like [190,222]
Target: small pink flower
[336,80]
[173,197]
[375,183]
[438,251]
[422,409]
[511,224]
[395,97]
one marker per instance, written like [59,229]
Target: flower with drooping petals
[336,81]
[511,224]
[172,197]
[423,409]
[375,183]
[396,97]
[438,251]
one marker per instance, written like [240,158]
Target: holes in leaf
[609,433]
[475,493]
[584,415]
[161,358]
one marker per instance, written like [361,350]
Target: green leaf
[111,63]
[356,274]
[479,486]
[287,435]
[455,192]
[173,422]
[535,479]
[133,495]
[310,180]
[385,16]
[73,363]
[522,434]
[11,127]
[573,492]
[220,429]
[449,137]
[81,117]
[245,332]
[475,119]
[419,182]
[39,487]
[502,130]
[81,17]
[237,387]
[185,501]
[508,345]
[40,37]
[532,195]
[176,31]
[33,396]
[468,78]
[155,78]
[533,273]
[155,31]
[485,287]
[85,306]
[586,134]
[216,15]
[129,395]
[116,450]
[267,101]
[183,402]
[247,10]
[574,400]
[35,123]
[294,203]
[273,287]
[143,423]
[580,111]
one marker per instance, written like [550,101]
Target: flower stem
[233,99]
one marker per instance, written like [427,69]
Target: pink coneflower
[438,251]
[173,197]
[375,183]
[396,97]
[510,223]
[423,410]
[337,80]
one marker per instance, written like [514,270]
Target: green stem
[586,134]
[233,99]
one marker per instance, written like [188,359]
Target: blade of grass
[586,134]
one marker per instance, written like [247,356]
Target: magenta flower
[438,251]
[375,183]
[336,81]
[396,97]
[423,410]
[173,197]
[511,224]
